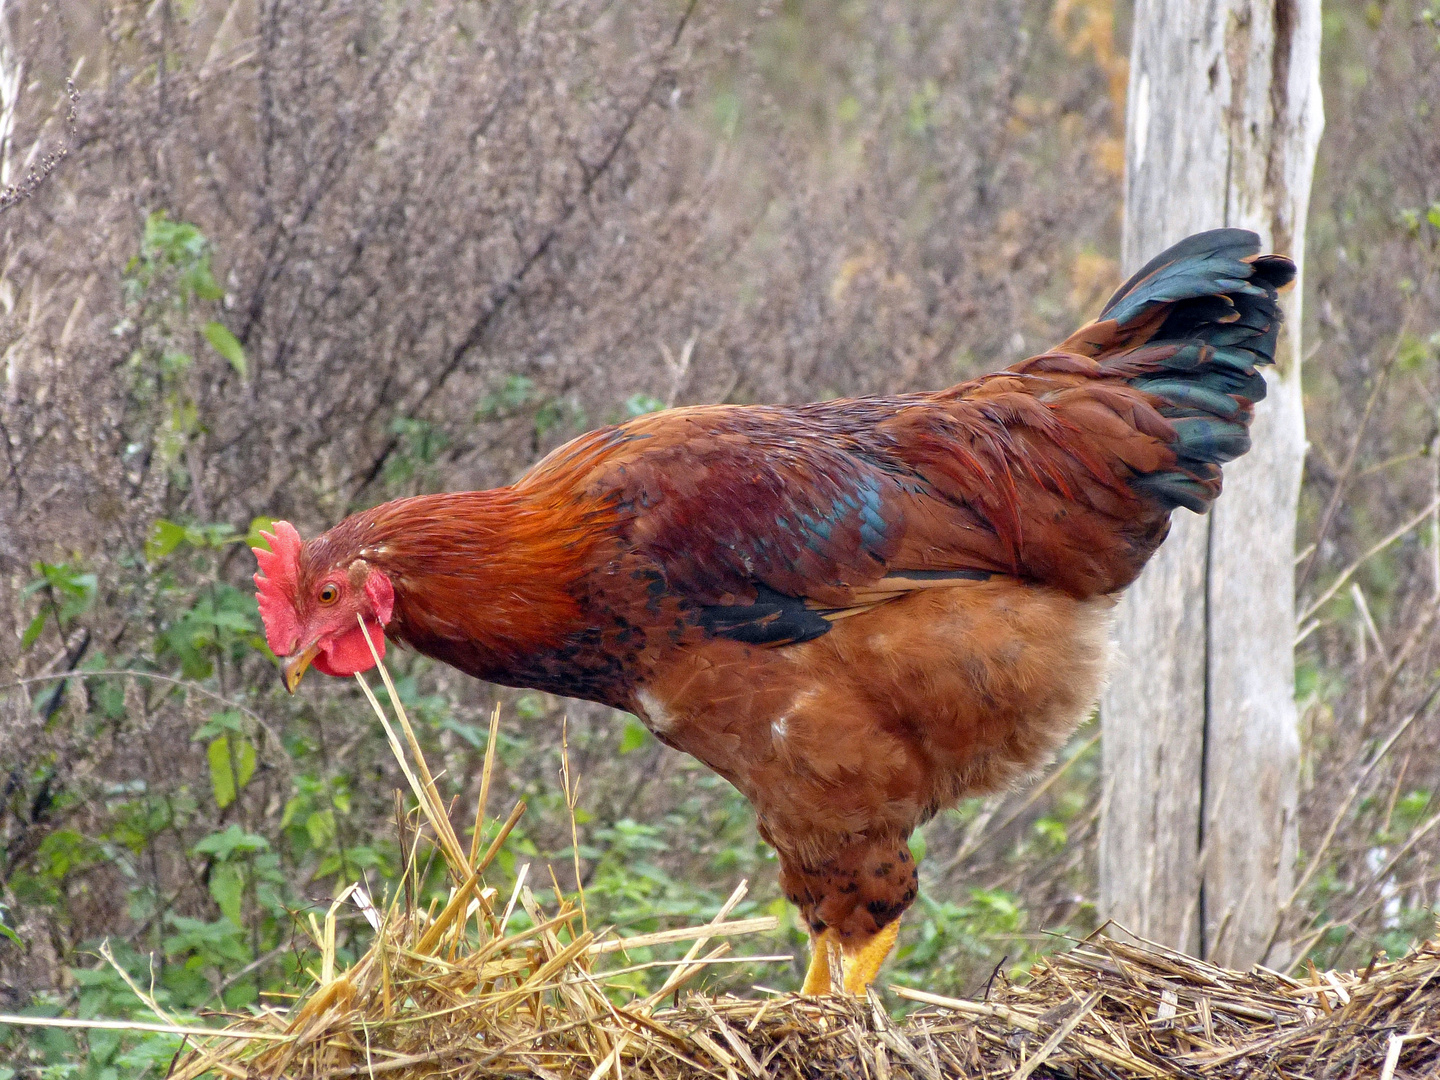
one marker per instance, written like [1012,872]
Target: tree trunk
[1197,837]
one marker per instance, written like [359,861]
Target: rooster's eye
[329,594]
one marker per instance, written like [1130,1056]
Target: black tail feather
[1203,362]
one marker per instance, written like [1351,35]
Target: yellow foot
[824,951]
[863,965]
[854,971]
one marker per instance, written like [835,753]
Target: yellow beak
[296,666]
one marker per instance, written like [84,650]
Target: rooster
[857,612]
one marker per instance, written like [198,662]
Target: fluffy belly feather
[893,715]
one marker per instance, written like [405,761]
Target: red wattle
[348,653]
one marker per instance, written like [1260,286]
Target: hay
[1113,1008]
[533,1008]
[1105,1009]
[455,993]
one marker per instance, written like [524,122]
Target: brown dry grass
[533,1005]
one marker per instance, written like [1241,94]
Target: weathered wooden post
[1197,838]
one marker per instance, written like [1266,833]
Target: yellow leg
[863,965]
[817,978]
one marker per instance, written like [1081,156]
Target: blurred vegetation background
[306,256]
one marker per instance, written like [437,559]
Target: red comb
[275,587]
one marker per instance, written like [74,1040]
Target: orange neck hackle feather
[493,568]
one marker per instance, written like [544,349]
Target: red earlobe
[381,595]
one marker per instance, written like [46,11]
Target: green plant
[419,444]
[517,396]
[67,592]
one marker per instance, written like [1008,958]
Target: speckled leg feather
[855,894]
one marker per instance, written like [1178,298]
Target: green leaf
[917,846]
[158,231]
[224,620]
[244,761]
[514,393]
[253,538]
[227,889]
[1412,353]
[219,723]
[32,632]
[1433,215]
[1051,831]
[64,577]
[65,850]
[220,943]
[634,736]
[165,537]
[547,416]
[471,733]
[1412,805]
[223,777]
[641,404]
[233,840]
[202,281]
[7,933]
[726,109]
[530,707]
[76,589]
[227,345]
[320,826]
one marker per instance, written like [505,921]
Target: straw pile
[1106,1009]
[458,993]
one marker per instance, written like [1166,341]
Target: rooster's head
[312,606]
